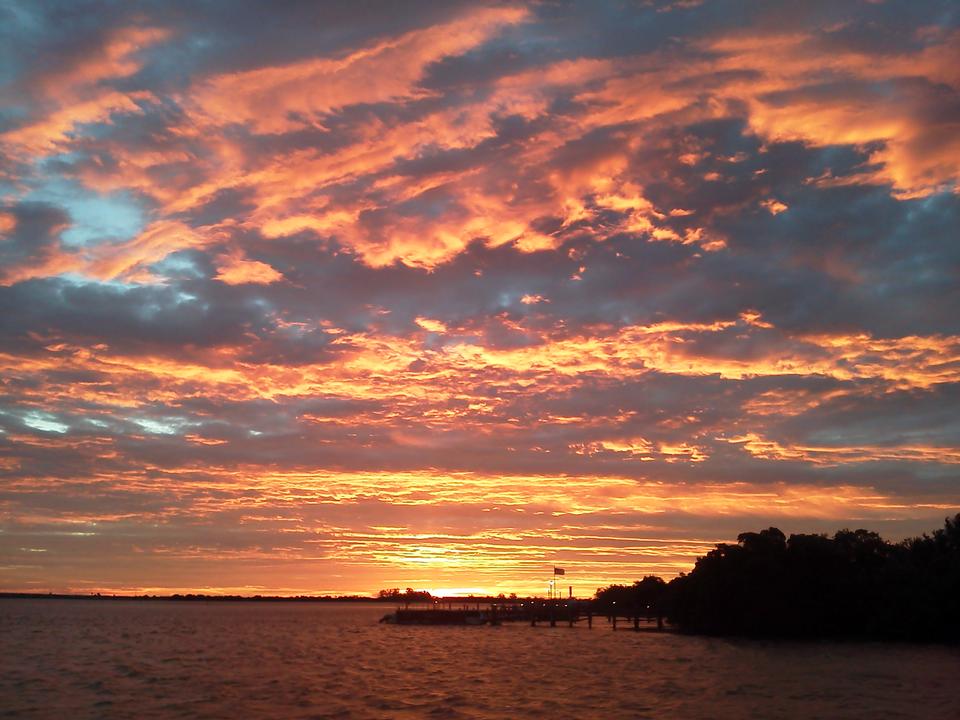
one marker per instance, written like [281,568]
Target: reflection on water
[85,659]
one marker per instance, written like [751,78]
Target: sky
[304,297]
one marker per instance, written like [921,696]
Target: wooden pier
[536,612]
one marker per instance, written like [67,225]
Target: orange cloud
[279,99]
[431,325]
[79,94]
[8,223]
[761,447]
[234,269]
[792,63]
[127,260]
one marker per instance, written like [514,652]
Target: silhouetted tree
[641,598]
[853,584]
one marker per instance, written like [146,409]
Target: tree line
[408,596]
[854,584]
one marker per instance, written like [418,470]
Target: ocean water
[89,659]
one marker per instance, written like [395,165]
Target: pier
[568,612]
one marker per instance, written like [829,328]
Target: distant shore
[180,597]
[196,597]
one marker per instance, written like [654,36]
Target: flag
[558,571]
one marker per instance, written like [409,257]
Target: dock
[536,612]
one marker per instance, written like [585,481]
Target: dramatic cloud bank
[338,296]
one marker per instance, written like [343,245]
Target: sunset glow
[338,297]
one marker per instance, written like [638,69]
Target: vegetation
[854,584]
[644,597]
[408,596]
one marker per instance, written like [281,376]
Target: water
[89,659]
